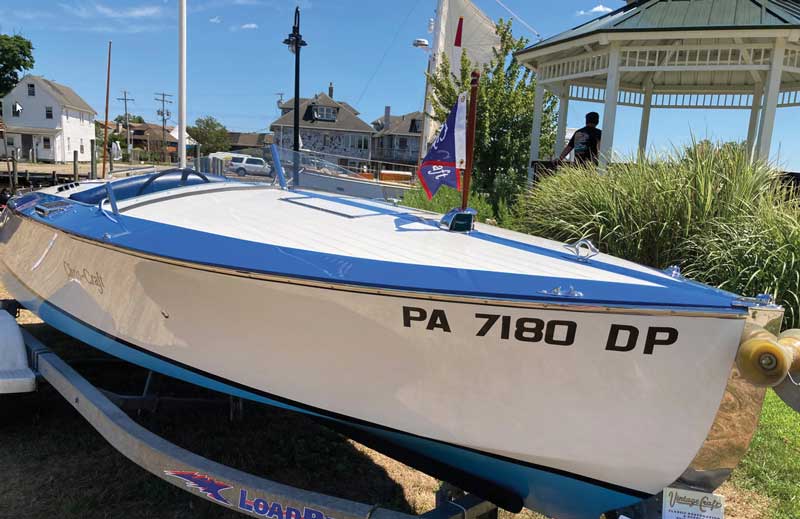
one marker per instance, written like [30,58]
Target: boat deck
[332,237]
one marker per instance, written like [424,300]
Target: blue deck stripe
[210,249]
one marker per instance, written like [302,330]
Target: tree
[505,112]
[16,55]
[132,118]
[210,134]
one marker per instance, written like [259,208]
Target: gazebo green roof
[682,15]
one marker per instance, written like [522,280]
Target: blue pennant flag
[441,165]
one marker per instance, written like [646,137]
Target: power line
[517,18]
[165,114]
[386,51]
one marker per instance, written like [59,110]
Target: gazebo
[682,54]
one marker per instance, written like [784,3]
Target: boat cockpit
[140,185]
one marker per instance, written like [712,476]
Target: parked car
[248,166]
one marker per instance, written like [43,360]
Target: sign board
[689,504]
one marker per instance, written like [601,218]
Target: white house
[47,121]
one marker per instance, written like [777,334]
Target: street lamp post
[295,42]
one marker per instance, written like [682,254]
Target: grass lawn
[772,466]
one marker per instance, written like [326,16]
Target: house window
[81,146]
[414,128]
[10,141]
[403,145]
[31,89]
[46,143]
[362,142]
[48,112]
[69,146]
[1,109]
[81,117]
[325,113]
[16,110]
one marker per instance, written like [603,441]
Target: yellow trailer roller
[762,360]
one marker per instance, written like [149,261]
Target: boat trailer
[24,359]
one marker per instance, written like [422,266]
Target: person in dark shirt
[585,142]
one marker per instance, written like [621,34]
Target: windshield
[315,170]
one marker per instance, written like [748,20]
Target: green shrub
[446,199]
[644,211]
[727,220]
[752,254]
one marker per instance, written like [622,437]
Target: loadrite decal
[259,506]
[204,483]
[276,510]
[619,338]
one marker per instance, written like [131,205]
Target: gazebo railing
[791,59]
[574,67]
[720,100]
[665,58]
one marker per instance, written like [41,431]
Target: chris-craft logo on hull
[213,488]
[92,279]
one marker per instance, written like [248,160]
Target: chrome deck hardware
[561,292]
[457,220]
[581,245]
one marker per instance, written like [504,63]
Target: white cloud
[215,19]
[249,26]
[598,9]
[130,12]
[83,10]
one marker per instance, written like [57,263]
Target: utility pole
[164,114]
[125,99]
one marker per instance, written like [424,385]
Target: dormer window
[414,128]
[31,89]
[325,113]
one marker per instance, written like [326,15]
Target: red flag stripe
[458,31]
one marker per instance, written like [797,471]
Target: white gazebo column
[610,110]
[644,127]
[561,132]
[536,129]
[771,99]
[755,109]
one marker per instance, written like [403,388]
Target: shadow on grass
[61,467]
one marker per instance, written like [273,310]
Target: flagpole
[105,126]
[473,108]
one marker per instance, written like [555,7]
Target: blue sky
[237,62]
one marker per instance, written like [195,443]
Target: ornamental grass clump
[757,253]
[728,221]
[645,210]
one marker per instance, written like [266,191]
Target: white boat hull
[423,365]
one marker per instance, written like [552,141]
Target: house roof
[153,130]
[249,140]
[668,15]
[288,105]
[399,125]
[63,94]
[346,118]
